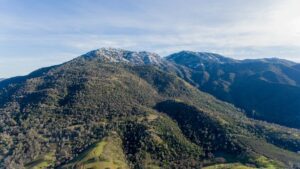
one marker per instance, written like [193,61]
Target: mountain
[267,89]
[112,108]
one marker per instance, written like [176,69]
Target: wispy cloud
[59,30]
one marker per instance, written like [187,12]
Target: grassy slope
[42,161]
[229,166]
[104,154]
[265,149]
[262,162]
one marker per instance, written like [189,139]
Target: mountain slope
[96,112]
[267,89]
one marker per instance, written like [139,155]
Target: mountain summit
[125,56]
[198,59]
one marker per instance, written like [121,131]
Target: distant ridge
[268,88]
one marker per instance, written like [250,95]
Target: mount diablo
[113,108]
[119,55]
[267,89]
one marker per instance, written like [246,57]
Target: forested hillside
[267,89]
[114,108]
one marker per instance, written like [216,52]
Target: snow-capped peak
[120,55]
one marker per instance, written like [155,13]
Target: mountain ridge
[91,112]
[121,55]
[256,86]
[222,77]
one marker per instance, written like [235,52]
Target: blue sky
[38,33]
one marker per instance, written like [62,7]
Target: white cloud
[258,28]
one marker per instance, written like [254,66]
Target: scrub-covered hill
[104,110]
[267,89]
